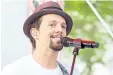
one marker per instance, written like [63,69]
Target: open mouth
[57,38]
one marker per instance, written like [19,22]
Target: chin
[56,48]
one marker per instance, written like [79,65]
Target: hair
[35,24]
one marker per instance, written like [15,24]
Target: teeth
[58,39]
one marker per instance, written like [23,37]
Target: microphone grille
[95,45]
[64,41]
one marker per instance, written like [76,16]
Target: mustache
[56,36]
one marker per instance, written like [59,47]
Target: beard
[56,45]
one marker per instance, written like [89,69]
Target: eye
[52,25]
[63,26]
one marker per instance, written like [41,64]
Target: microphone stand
[75,53]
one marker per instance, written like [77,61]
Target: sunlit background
[86,26]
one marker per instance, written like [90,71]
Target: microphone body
[68,42]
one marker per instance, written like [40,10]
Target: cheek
[64,33]
[46,32]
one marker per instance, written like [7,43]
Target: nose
[59,29]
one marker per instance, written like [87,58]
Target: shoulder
[68,68]
[15,67]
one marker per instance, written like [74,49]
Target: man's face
[52,28]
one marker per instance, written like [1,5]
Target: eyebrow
[56,22]
[53,21]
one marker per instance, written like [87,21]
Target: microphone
[69,42]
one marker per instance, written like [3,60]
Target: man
[45,28]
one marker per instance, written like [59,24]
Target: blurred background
[14,44]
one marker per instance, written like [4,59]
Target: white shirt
[28,66]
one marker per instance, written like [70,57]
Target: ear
[34,33]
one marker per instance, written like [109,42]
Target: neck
[46,58]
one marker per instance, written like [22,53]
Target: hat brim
[29,21]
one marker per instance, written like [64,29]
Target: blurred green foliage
[87,25]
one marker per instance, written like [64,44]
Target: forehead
[53,17]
